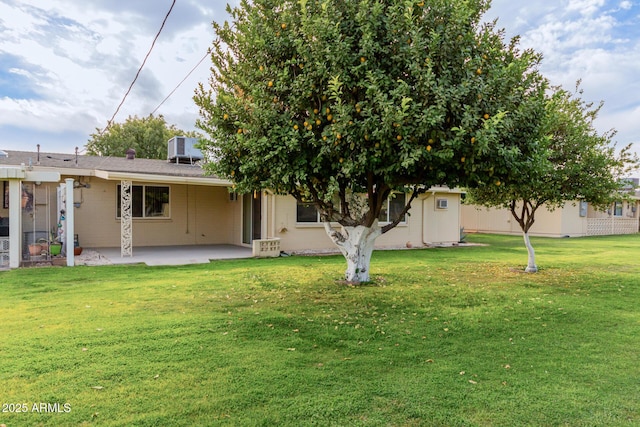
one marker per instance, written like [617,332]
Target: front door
[251,217]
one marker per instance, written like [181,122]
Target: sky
[65,65]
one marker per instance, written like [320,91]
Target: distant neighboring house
[130,202]
[576,219]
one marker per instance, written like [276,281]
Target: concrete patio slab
[167,255]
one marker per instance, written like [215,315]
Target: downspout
[272,219]
[460,226]
[424,215]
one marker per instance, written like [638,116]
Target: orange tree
[578,165]
[342,103]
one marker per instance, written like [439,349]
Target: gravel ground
[90,257]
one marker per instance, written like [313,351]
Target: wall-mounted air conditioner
[182,149]
[442,203]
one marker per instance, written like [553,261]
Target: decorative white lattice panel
[4,245]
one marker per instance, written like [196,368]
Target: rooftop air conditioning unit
[181,149]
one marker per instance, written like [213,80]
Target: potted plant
[35,249]
[44,245]
[77,249]
[55,245]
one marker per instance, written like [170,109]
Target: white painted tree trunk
[356,244]
[531,263]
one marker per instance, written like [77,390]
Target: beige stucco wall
[198,215]
[558,223]
[207,215]
[441,225]
[424,222]
[571,223]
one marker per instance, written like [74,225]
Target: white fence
[612,225]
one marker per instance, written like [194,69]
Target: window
[394,206]
[306,212]
[617,209]
[147,201]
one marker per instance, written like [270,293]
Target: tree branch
[397,221]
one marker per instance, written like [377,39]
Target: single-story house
[128,202]
[574,219]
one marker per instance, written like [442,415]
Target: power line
[174,89]
[182,81]
[139,69]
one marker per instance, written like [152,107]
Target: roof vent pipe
[38,157]
[131,154]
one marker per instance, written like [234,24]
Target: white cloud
[588,40]
[585,7]
[80,57]
[626,5]
[87,54]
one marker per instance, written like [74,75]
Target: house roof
[112,167]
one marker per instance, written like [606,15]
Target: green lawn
[443,337]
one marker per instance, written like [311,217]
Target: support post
[70,225]
[15,223]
